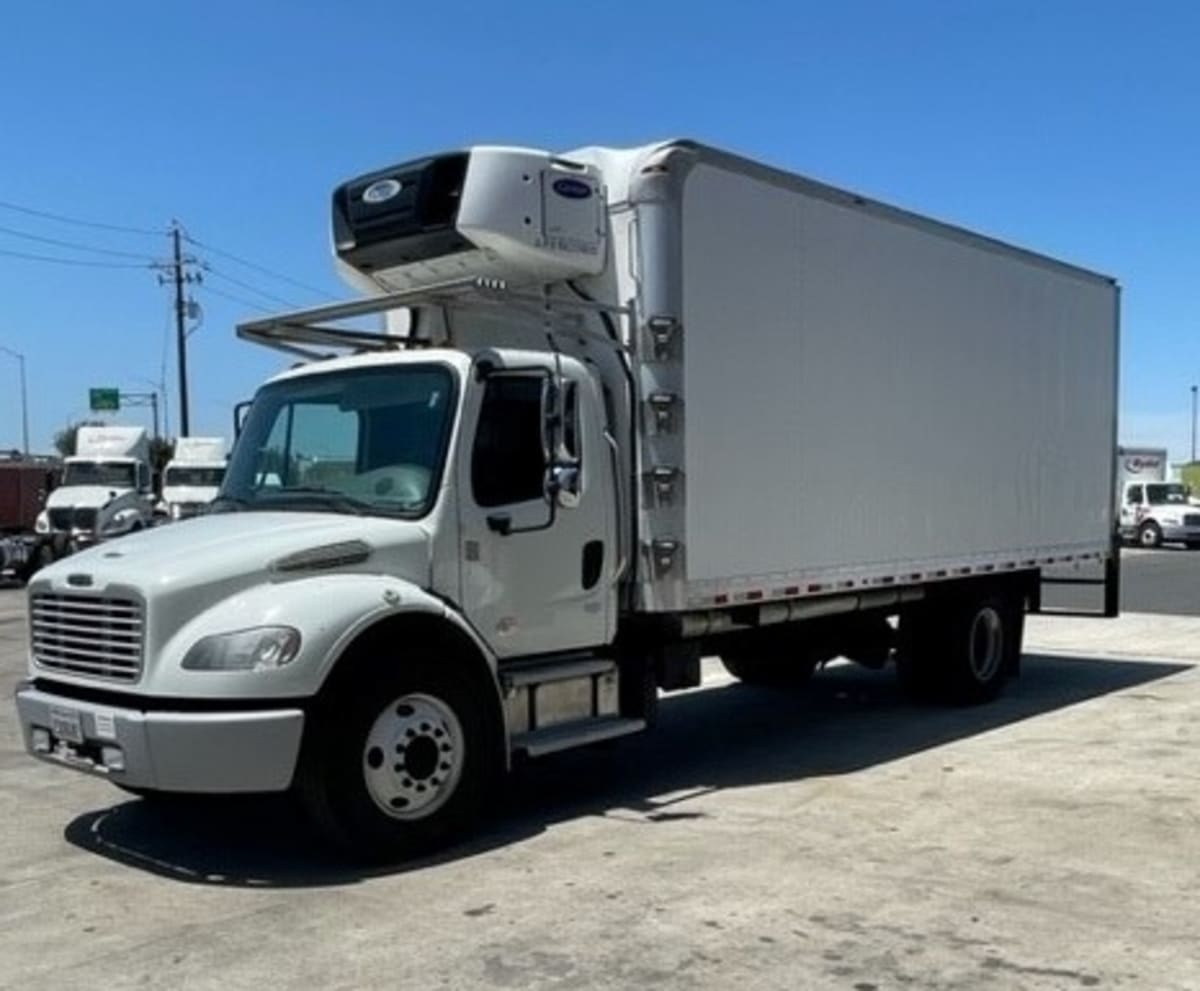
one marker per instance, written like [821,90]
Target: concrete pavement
[836,838]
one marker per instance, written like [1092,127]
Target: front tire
[399,759]
[1149,535]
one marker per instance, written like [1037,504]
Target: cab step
[564,736]
[555,703]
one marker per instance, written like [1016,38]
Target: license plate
[65,724]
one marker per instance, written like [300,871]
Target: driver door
[545,585]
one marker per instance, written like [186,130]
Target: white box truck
[105,490]
[1151,510]
[631,408]
[192,477]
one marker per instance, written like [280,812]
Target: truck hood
[84,496]
[240,549]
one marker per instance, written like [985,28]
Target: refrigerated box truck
[631,408]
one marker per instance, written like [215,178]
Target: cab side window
[1134,498]
[507,465]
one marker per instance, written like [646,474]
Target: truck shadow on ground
[848,719]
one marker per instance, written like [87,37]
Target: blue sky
[1071,128]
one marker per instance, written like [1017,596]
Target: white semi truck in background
[1152,510]
[105,490]
[632,407]
[192,477]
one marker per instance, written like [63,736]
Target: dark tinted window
[507,464]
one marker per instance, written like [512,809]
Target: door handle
[500,523]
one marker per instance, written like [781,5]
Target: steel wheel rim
[413,756]
[1148,537]
[986,644]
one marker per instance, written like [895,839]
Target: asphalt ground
[838,837]
[1164,581]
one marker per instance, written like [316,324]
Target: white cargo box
[861,397]
[199,451]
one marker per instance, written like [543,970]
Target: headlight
[176,510]
[259,649]
[121,520]
[42,524]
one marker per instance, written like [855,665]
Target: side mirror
[239,416]
[562,484]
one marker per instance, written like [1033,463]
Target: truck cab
[1153,513]
[192,478]
[105,490]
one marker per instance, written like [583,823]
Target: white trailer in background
[1152,510]
[105,490]
[632,407]
[192,477]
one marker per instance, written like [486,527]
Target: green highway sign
[104,400]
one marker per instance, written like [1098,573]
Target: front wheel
[399,761]
[1149,535]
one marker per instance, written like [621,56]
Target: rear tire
[1193,545]
[400,758]
[961,651]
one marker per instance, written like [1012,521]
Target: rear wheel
[400,760]
[961,651]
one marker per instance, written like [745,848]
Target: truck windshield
[205,477]
[118,473]
[368,440]
[1166,495]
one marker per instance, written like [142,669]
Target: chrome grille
[73,518]
[87,635]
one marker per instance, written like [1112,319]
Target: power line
[63,219]
[246,285]
[73,245]
[72,261]
[234,299]
[258,268]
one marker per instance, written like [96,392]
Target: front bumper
[1181,534]
[204,752]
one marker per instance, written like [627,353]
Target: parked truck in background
[630,409]
[192,477]
[25,484]
[1152,510]
[106,487]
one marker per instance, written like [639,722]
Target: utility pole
[178,278]
[25,399]
[180,333]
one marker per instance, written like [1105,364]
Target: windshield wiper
[228,503]
[334,499]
